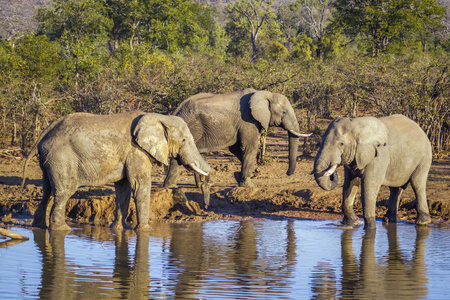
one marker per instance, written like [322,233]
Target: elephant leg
[142,198]
[42,214]
[58,213]
[172,173]
[237,151]
[369,192]
[248,167]
[123,195]
[394,201]
[350,190]
[139,170]
[419,183]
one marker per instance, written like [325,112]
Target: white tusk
[330,170]
[197,169]
[300,134]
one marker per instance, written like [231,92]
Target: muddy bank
[275,195]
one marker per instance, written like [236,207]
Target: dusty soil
[275,196]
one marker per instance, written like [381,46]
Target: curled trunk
[325,174]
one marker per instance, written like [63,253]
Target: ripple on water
[230,260]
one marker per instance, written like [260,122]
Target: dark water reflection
[230,260]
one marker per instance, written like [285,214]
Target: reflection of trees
[395,276]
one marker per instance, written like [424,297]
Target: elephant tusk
[330,170]
[197,169]
[300,134]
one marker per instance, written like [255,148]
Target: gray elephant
[391,151]
[93,150]
[235,120]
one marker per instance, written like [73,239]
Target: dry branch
[12,234]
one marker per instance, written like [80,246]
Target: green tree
[381,23]
[250,16]
[81,28]
[27,83]
[303,47]
[128,17]
[177,24]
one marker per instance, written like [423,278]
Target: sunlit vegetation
[331,58]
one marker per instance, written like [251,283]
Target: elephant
[84,149]
[392,151]
[235,120]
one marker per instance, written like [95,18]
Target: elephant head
[348,142]
[272,109]
[164,137]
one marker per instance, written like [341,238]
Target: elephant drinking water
[93,150]
[235,121]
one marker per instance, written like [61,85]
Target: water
[230,260]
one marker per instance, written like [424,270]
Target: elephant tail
[34,151]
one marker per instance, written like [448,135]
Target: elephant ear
[371,134]
[259,107]
[150,135]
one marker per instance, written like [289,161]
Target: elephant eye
[342,144]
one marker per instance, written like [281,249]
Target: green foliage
[276,50]
[384,22]
[108,56]
[72,20]
[251,17]
[303,47]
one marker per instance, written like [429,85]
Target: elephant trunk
[293,147]
[325,173]
[202,167]
[190,157]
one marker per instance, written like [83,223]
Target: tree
[252,14]
[27,80]
[316,13]
[16,17]
[383,22]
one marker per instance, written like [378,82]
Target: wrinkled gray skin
[93,150]
[391,151]
[235,121]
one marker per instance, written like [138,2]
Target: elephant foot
[369,223]
[423,220]
[119,226]
[143,228]
[59,227]
[390,218]
[40,223]
[246,183]
[351,221]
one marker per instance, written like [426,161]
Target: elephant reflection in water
[61,278]
[236,256]
[395,278]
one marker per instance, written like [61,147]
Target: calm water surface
[230,260]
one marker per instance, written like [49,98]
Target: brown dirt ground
[275,196]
